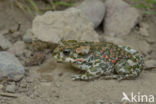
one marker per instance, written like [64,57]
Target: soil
[50,82]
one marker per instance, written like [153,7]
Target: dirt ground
[50,83]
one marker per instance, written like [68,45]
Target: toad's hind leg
[127,69]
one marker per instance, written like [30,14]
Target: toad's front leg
[127,69]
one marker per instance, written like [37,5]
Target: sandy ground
[50,83]
[53,85]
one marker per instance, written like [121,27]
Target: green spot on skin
[134,60]
[128,67]
[137,57]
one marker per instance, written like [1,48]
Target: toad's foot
[120,77]
[85,76]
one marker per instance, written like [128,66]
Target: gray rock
[11,88]
[10,67]
[70,24]
[94,10]
[4,43]
[27,36]
[18,48]
[120,17]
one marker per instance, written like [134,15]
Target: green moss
[147,5]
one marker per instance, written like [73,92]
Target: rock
[23,84]
[4,43]
[11,88]
[120,17]
[18,48]
[70,24]
[10,67]
[94,10]
[27,36]
[27,53]
[150,63]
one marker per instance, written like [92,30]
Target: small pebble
[11,88]
[27,36]
[18,48]
[4,43]
[23,83]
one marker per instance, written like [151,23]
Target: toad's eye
[66,52]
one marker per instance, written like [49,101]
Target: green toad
[100,59]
